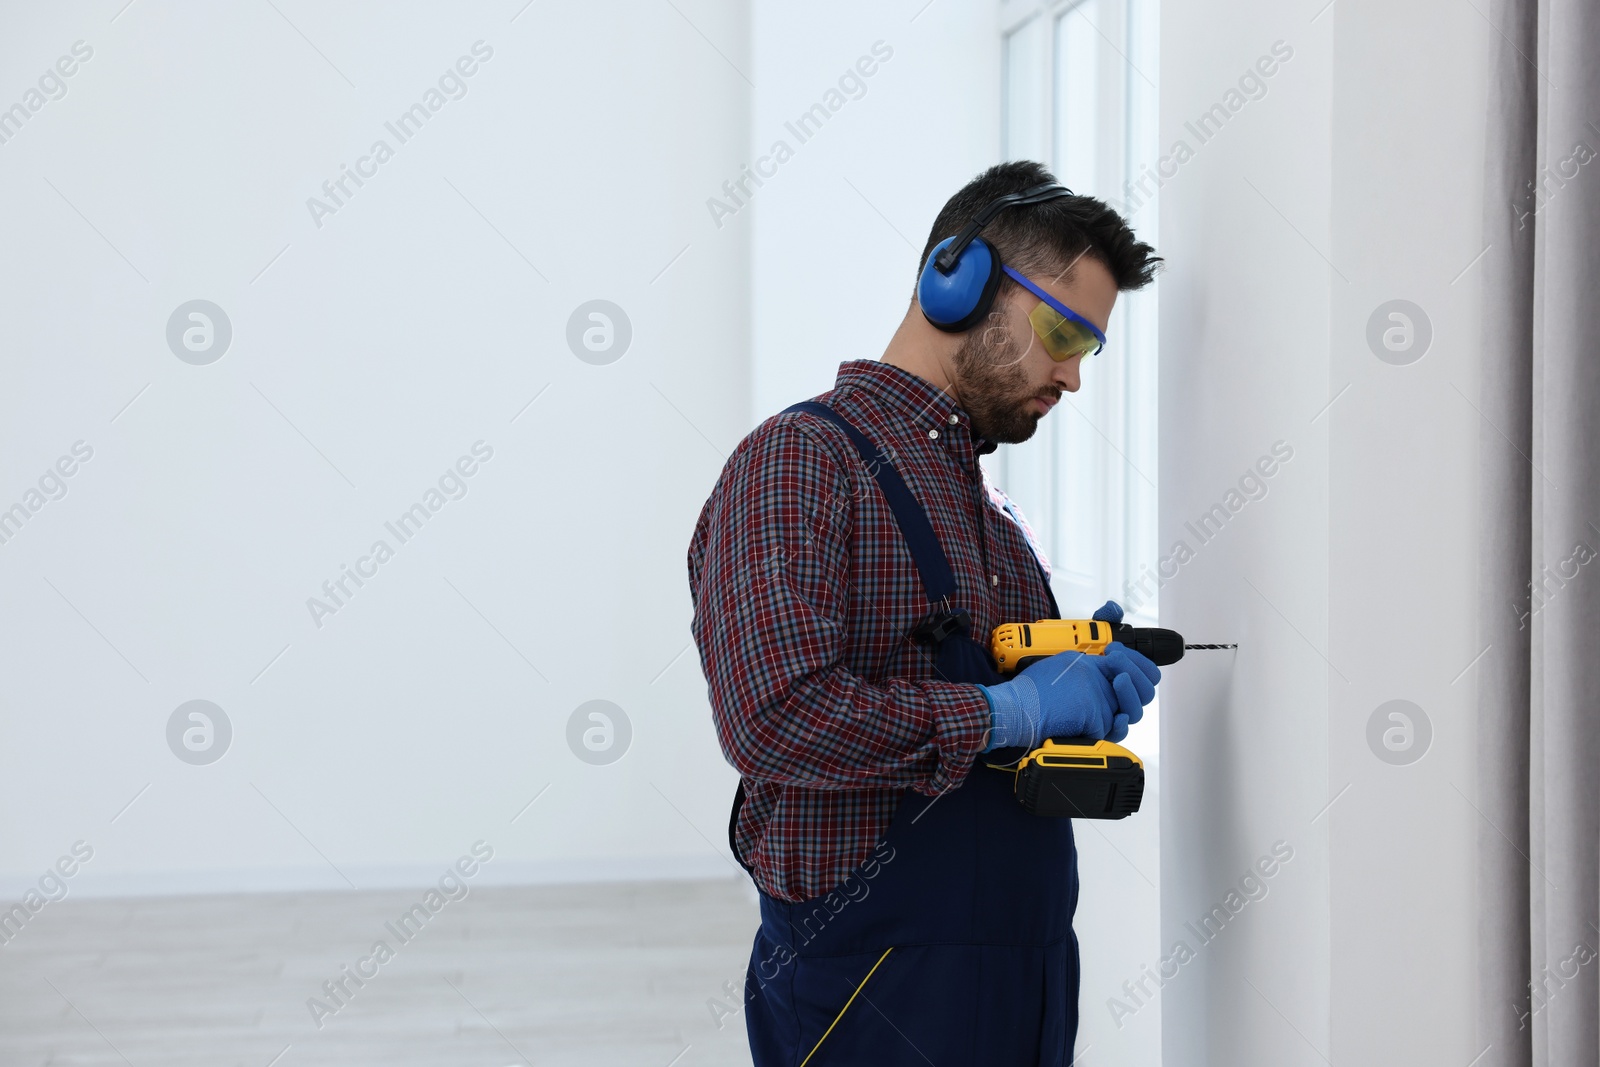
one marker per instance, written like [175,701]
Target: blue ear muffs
[959,300]
[962,274]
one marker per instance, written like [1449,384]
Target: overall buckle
[935,630]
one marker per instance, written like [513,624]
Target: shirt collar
[909,396]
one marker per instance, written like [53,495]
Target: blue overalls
[953,945]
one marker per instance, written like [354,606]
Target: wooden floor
[550,975]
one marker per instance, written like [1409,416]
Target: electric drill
[1079,777]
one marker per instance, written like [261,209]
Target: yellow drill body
[1016,644]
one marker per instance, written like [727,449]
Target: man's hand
[1110,612]
[1074,695]
[1120,659]
[1066,695]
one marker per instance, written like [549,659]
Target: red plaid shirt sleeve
[773,585]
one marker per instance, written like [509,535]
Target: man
[845,570]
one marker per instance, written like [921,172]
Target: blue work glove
[1110,612]
[1119,659]
[1064,703]
[1066,695]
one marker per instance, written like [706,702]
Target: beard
[993,387]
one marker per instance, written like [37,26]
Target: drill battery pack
[1079,779]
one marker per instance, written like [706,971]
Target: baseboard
[88,881]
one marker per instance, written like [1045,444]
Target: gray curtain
[1539,734]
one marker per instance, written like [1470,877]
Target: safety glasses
[1063,332]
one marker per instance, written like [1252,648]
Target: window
[1079,95]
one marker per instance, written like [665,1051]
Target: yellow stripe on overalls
[844,1009]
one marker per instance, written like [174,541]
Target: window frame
[1096,518]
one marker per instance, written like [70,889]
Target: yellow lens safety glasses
[1063,332]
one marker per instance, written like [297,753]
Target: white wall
[1244,364]
[371,353]
[1410,100]
[1352,181]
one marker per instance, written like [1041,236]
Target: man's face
[1004,378]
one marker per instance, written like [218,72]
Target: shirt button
[933,433]
[994,579]
[954,418]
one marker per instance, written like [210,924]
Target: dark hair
[1048,237]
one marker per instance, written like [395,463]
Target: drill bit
[1211,646]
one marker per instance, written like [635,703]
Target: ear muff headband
[962,275]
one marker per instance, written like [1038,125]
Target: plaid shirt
[804,594]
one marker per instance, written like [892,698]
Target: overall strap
[933,567]
[938,579]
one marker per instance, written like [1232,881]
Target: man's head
[1075,248]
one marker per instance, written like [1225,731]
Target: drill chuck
[1161,646]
